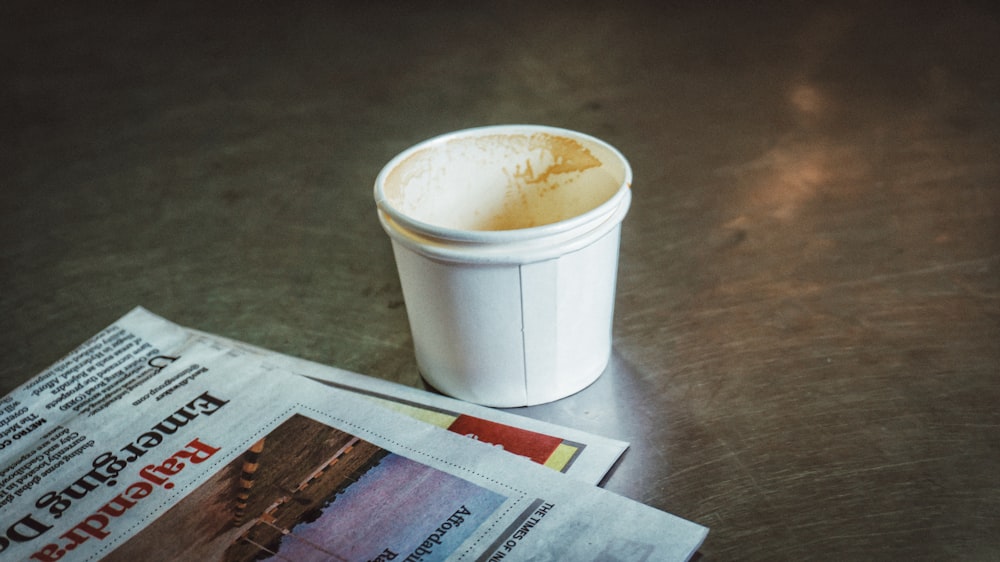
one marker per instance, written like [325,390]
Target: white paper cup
[506,240]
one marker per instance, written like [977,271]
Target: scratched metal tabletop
[807,325]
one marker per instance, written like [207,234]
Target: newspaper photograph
[123,451]
[307,491]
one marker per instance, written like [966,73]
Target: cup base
[585,383]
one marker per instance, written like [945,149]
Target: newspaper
[193,448]
[581,455]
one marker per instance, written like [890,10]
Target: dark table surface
[807,331]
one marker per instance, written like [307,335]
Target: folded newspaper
[154,442]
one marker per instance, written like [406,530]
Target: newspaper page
[581,455]
[209,453]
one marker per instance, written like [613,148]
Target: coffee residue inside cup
[548,160]
[500,181]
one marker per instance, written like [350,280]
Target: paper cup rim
[434,231]
[523,250]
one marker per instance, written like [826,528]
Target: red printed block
[535,446]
